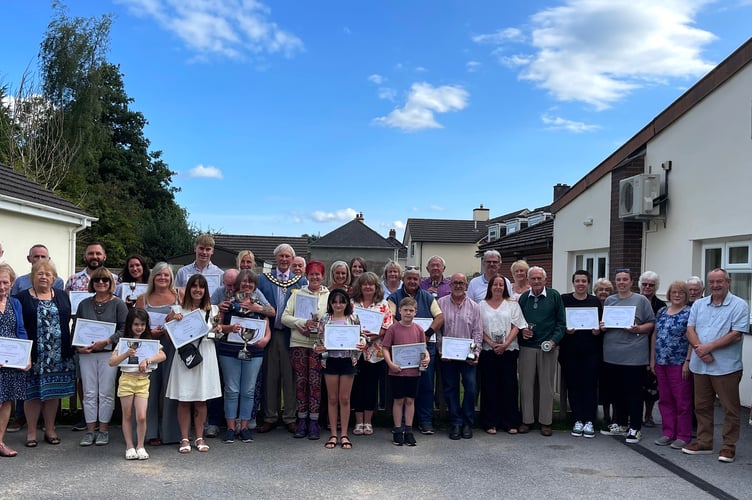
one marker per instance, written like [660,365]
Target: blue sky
[288,117]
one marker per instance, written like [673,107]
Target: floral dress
[51,376]
[12,380]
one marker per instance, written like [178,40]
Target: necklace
[36,294]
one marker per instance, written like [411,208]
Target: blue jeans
[450,375]
[424,400]
[240,385]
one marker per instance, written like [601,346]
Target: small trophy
[216,332]
[471,354]
[132,297]
[247,335]
[314,329]
[237,303]
[531,327]
[422,357]
[133,360]
[547,345]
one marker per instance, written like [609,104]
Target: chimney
[480,214]
[559,190]
[359,217]
[393,233]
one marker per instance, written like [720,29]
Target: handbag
[189,352]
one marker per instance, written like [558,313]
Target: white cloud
[343,214]
[500,36]
[422,103]
[387,93]
[398,224]
[559,123]
[205,171]
[437,208]
[598,51]
[472,66]
[235,29]
[376,78]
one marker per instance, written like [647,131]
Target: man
[427,308]
[202,265]
[36,253]
[298,266]
[544,313]
[696,289]
[715,328]
[436,284]
[479,285]
[461,320]
[221,295]
[94,258]
[277,287]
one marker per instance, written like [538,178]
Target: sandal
[201,445]
[185,448]
[491,430]
[367,429]
[31,443]
[358,430]
[511,430]
[346,443]
[332,443]
[52,439]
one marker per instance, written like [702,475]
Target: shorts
[339,366]
[132,384]
[404,387]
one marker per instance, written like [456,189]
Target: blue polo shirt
[712,322]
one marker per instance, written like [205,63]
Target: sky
[289,117]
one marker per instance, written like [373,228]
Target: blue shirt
[671,342]
[711,322]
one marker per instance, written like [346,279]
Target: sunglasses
[100,280]
[412,268]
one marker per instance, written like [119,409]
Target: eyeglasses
[458,283]
[648,284]
[493,262]
[100,280]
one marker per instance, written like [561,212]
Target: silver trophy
[133,360]
[422,357]
[471,354]
[132,297]
[237,306]
[247,335]
[216,332]
[547,345]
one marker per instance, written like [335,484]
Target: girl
[133,389]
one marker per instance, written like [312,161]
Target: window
[595,263]
[493,232]
[734,256]
[412,249]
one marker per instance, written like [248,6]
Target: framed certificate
[157,320]
[619,316]
[15,353]
[306,306]
[213,281]
[455,348]
[341,337]
[408,355]
[371,320]
[191,327]
[424,323]
[259,325]
[582,318]
[76,298]
[125,290]
[144,349]
[89,331]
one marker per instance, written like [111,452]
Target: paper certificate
[125,290]
[15,353]
[455,348]
[371,320]
[144,349]
[424,323]
[341,337]
[259,325]
[157,320]
[190,328]
[582,318]
[619,316]
[306,306]
[213,281]
[89,331]
[76,298]
[408,355]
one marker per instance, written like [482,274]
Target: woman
[368,294]
[246,260]
[357,267]
[135,271]
[339,276]
[580,359]
[391,278]
[46,317]
[161,414]
[603,289]
[339,367]
[97,376]
[305,363]
[12,380]
[192,387]
[626,356]
[669,360]
[502,320]
[649,282]
[520,284]
[239,373]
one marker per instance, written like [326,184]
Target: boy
[404,381]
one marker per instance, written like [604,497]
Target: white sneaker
[577,429]
[633,436]
[614,430]
[588,431]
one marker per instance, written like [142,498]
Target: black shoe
[454,432]
[426,429]
[398,438]
[467,432]
[410,439]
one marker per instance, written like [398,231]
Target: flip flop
[31,443]
[331,443]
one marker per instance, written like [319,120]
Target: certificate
[455,348]
[371,320]
[424,323]
[619,316]
[76,298]
[259,325]
[341,337]
[306,306]
[190,328]
[125,290]
[89,331]
[408,355]
[213,281]
[582,318]
[144,349]
[15,353]
[157,320]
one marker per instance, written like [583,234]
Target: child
[404,381]
[133,389]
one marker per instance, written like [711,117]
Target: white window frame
[595,257]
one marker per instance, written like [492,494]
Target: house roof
[446,231]
[18,186]
[530,237]
[261,246]
[354,234]
[510,215]
[734,63]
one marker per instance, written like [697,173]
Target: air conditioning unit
[640,196]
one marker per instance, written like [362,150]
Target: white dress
[200,383]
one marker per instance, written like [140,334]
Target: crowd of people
[303,345]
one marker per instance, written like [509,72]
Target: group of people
[267,350]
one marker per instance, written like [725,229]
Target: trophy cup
[237,303]
[422,368]
[547,345]
[216,332]
[471,354]
[247,335]
[133,360]
[132,297]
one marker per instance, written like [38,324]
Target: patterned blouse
[671,343]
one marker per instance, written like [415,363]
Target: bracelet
[686,360]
